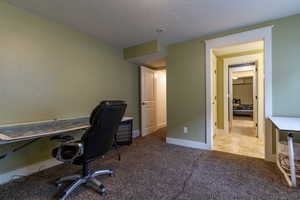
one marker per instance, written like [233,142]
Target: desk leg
[292,159]
[285,174]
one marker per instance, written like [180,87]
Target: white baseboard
[188,143]
[28,170]
[136,133]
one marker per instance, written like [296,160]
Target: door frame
[265,34]
[230,89]
[214,63]
[233,61]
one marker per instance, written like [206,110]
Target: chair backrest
[104,120]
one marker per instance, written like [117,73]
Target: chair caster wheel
[103,193]
[102,190]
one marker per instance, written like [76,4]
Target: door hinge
[256,97]
[256,124]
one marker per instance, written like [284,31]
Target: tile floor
[241,140]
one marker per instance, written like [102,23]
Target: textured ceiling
[122,23]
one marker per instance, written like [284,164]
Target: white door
[161,98]
[148,119]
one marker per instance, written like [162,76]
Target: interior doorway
[153,99]
[239,125]
[261,34]
[243,99]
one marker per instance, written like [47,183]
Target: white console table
[291,125]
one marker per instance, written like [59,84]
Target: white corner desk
[291,125]
[33,130]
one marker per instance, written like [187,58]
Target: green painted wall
[48,70]
[220,83]
[186,90]
[141,49]
[186,85]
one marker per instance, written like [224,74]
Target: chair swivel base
[89,180]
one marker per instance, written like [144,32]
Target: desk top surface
[287,123]
[25,131]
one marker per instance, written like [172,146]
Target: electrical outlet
[185,129]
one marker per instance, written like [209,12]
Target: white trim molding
[28,170]
[265,34]
[232,61]
[188,143]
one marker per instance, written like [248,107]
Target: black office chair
[96,141]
